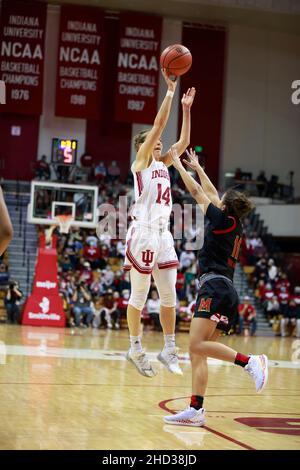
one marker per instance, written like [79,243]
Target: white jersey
[153,199]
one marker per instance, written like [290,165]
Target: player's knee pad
[167,295]
[138,296]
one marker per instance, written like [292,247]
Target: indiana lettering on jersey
[160,174]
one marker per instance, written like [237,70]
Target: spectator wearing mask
[12,303]
[82,310]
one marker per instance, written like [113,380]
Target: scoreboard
[64,151]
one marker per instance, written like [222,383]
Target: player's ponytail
[237,204]
[139,139]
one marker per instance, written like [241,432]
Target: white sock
[169,341]
[135,343]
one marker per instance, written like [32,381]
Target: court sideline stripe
[163,406]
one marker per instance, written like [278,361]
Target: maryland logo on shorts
[205,305]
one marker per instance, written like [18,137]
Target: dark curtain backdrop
[207,76]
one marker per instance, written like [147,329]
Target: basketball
[176,59]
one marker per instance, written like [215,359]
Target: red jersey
[249,311]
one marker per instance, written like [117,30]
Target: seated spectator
[66,264]
[186,259]
[91,253]
[289,318]
[272,270]
[82,309]
[153,308]
[12,303]
[100,172]
[272,309]
[124,282]
[97,288]
[123,301]
[113,171]
[247,314]
[263,184]
[86,273]
[283,298]
[107,312]
[121,248]
[108,276]
[272,186]
[4,275]
[282,281]
[42,169]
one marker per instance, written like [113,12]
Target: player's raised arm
[192,186]
[6,230]
[207,186]
[144,153]
[184,139]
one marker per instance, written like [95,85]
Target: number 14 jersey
[153,200]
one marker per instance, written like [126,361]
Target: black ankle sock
[241,360]
[196,402]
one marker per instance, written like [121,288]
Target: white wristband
[170,93]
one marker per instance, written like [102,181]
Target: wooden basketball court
[66,389]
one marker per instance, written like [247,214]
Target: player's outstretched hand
[188,98]
[192,161]
[170,83]
[175,158]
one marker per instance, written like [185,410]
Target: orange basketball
[176,59]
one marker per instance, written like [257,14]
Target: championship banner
[79,65]
[138,68]
[22,40]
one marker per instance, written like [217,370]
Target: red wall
[106,139]
[207,76]
[18,153]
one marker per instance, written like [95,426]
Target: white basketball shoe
[169,358]
[187,417]
[257,368]
[141,362]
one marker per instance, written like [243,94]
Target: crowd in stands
[261,186]
[279,300]
[95,289]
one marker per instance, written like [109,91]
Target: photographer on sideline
[12,302]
